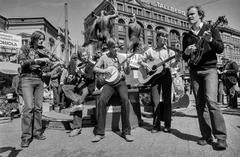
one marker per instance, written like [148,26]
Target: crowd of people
[79,79]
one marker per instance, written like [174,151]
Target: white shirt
[162,54]
[195,32]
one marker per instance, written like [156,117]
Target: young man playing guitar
[162,82]
[204,76]
[111,59]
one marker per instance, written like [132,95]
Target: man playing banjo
[112,59]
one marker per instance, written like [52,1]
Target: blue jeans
[69,91]
[205,90]
[107,92]
[32,89]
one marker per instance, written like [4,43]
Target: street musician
[111,59]
[32,88]
[162,81]
[204,77]
[78,87]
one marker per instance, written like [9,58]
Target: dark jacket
[27,62]
[88,76]
[210,49]
[230,77]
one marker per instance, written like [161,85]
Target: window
[121,40]
[163,18]
[135,10]
[120,6]
[147,14]
[120,28]
[25,41]
[169,20]
[130,9]
[155,16]
[139,11]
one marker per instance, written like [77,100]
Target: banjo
[114,76]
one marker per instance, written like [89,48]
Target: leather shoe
[128,138]
[154,130]
[221,144]
[39,137]
[166,130]
[75,132]
[203,141]
[25,143]
[98,138]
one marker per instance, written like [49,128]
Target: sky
[53,11]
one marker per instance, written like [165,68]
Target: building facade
[3,23]
[231,39]
[24,27]
[156,16]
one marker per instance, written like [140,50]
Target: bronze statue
[134,33]
[103,27]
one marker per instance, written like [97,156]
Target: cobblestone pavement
[181,142]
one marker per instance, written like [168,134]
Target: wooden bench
[113,117]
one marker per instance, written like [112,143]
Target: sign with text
[10,40]
[172,9]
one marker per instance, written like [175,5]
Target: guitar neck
[165,61]
[125,59]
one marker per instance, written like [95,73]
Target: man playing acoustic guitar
[162,82]
[111,59]
[204,76]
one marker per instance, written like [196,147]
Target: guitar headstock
[222,20]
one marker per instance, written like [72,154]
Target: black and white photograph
[119,78]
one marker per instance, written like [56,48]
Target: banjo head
[115,75]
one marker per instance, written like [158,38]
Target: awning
[9,68]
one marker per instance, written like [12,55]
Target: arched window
[121,23]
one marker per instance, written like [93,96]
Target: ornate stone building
[231,39]
[150,17]
[155,16]
[24,27]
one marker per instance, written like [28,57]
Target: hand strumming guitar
[190,49]
[207,35]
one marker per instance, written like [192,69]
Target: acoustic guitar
[146,76]
[197,55]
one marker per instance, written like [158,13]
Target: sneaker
[155,130]
[25,143]
[75,132]
[76,108]
[128,138]
[39,137]
[203,141]
[98,138]
[221,144]
[168,130]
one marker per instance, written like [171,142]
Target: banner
[10,40]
